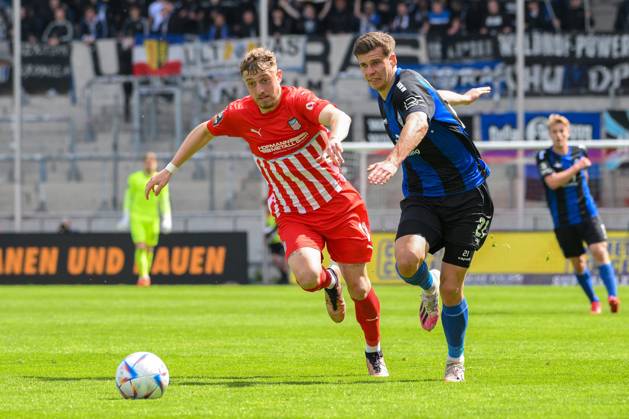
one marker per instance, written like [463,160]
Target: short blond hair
[555,118]
[257,60]
[372,40]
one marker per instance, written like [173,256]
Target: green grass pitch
[254,351]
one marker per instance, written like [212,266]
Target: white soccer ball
[142,375]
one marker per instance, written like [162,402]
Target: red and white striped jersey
[286,144]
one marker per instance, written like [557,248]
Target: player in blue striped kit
[564,173]
[446,201]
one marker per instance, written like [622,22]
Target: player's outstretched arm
[339,123]
[467,98]
[559,179]
[195,141]
[415,128]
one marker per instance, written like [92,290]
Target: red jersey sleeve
[308,105]
[225,123]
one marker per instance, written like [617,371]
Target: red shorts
[342,225]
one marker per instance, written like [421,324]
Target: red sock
[325,279]
[368,316]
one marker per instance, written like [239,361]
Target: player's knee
[451,292]
[408,263]
[599,252]
[358,289]
[307,277]
[580,264]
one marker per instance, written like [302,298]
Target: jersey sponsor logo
[257,131]
[415,152]
[409,102]
[294,124]
[218,118]
[283,145]
[310,105]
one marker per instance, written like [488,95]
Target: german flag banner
[107,258]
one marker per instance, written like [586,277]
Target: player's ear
[280,74]
[393,59]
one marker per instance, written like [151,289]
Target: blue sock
[454,320]
[421,278]
[609,279]
[585,280]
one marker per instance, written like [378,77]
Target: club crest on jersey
[294,124]
[218,118]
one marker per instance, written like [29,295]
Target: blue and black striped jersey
[571,203]
[446,161]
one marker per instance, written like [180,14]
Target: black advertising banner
[44,68]
[107,258]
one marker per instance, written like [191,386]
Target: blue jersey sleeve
[409,96]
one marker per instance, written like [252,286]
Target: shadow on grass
[239,382]
[69,379]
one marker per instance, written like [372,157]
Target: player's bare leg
[410,255]
[454,319]
[311,276]
[142,264]
[581,271]
[367,308]
[606,272]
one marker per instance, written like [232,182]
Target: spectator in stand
[402,22]
[279,24]
[182,22]
[155,15]
[474,16]
[496,21]
[419,10]
[165,14]
[135,25]
[91,28]
[338,17]
[575,19]
[456,14]
[305,19]
[248,26]
[60,30]
[438,20]
[293,10]
[368,16]
[622,17]
[5,26]
[311,22]
[219,28]
[29,26]
[45,12]
[536,17]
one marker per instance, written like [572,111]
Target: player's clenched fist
[157,183]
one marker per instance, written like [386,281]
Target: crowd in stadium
[61,21]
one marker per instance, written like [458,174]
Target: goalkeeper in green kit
[143,217]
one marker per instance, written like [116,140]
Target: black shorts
[276,249]
[571,237]
[460,223]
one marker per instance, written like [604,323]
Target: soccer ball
[142,375]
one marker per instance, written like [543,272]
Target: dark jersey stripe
[451,178]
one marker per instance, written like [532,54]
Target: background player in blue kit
[564,173]
[446,201]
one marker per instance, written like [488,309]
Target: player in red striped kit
[314,205]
